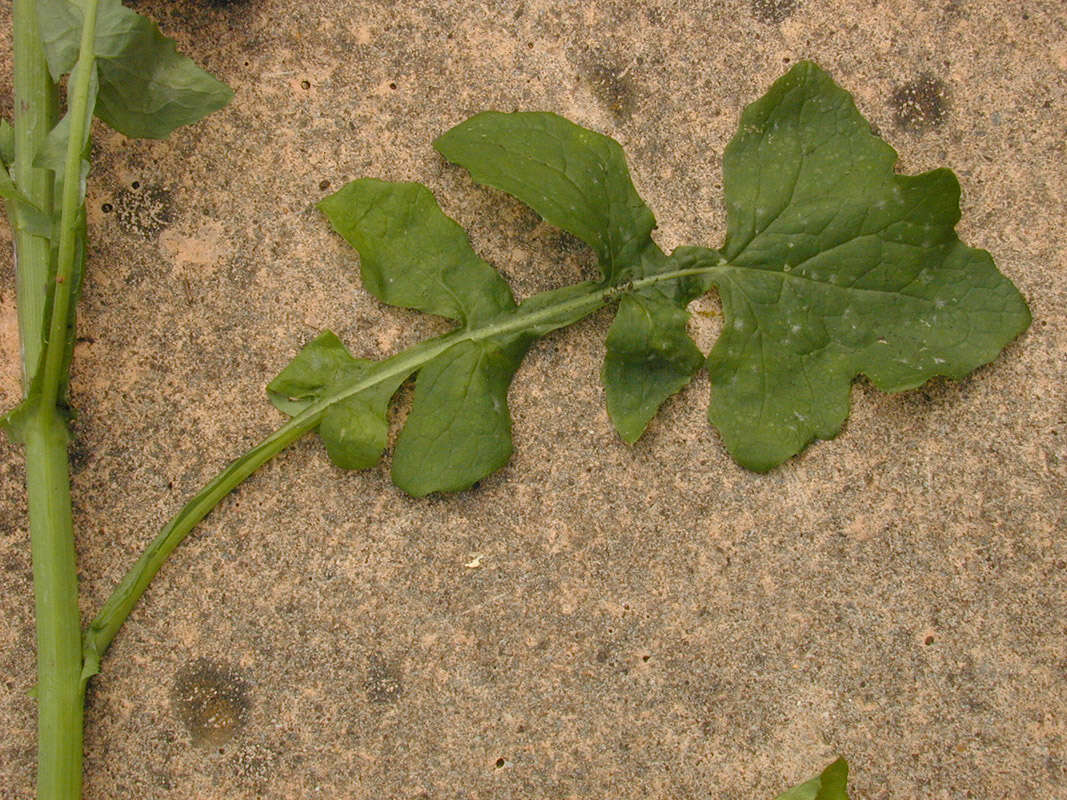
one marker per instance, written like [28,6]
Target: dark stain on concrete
[143,210]
[920,104]
[213,701]
[383,682]
[773,11]
[613,88]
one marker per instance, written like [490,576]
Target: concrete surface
[595,621]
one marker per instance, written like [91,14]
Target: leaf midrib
[516,321]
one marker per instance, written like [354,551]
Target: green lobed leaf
[412,255]
[576,179]
[147,88]
[831,784]
[355,429]
[459,429]
[832,266]
[836,267]
[649,357]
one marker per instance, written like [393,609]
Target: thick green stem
[60,692]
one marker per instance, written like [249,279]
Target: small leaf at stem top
[147,88]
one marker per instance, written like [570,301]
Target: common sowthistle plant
[832,266]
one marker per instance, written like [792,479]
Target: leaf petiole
[536,315]
[124,597]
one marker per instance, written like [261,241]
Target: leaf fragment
[7,143]
[320,364]
[649,357]
[830,784]
[30,216]
[53,153]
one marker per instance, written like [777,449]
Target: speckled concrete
[595,620]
